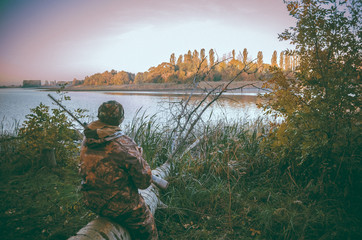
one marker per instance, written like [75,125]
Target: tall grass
[228,186]
[9,144]
[153,137]
[206,195]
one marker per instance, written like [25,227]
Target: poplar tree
[195,55]
[195,60]
[179,60]
[212,57]
[260,59]
[203,58]
[173,59]
[274,59]
[202,53]
[245,55]
[281,60]
[187,57]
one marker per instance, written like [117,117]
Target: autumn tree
[121,78]
[140,77]
[179,60]
[260,59]
[281,60]
[245,56]
[173,59]
[203,58]
[188,57]
[202,53]
[195,55]
[234,66]
[160,74]
[106,78]
[75,82]
[109,78]
[233,53]
[195,60]
[273,61]
[212,57]
[113,72]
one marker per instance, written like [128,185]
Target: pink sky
[62,40]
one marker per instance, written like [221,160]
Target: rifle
[161,183]
[60,105]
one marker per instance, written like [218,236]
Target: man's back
[111,171]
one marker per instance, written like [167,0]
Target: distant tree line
[110,78]
[183,69]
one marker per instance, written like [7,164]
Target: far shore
[159,87]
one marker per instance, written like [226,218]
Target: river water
[15,104]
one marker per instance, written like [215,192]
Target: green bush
[317,147]
[48,129]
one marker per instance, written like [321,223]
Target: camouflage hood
[97,134]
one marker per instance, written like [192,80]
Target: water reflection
[231,100]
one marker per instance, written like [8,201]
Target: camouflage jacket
[112,171]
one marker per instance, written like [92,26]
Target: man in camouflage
[113,171]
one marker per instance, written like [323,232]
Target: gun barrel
[59,104]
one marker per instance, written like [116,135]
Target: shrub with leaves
[318,144]
[46,129]
[319,138]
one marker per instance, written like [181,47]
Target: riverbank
[252,86]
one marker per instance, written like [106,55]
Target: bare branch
[188,118]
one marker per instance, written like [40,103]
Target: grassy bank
[42,205]
[37,202]
[227,187]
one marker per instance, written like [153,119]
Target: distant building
[31,83]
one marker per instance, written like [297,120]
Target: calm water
[16,103]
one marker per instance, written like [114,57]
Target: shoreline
[162,87]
